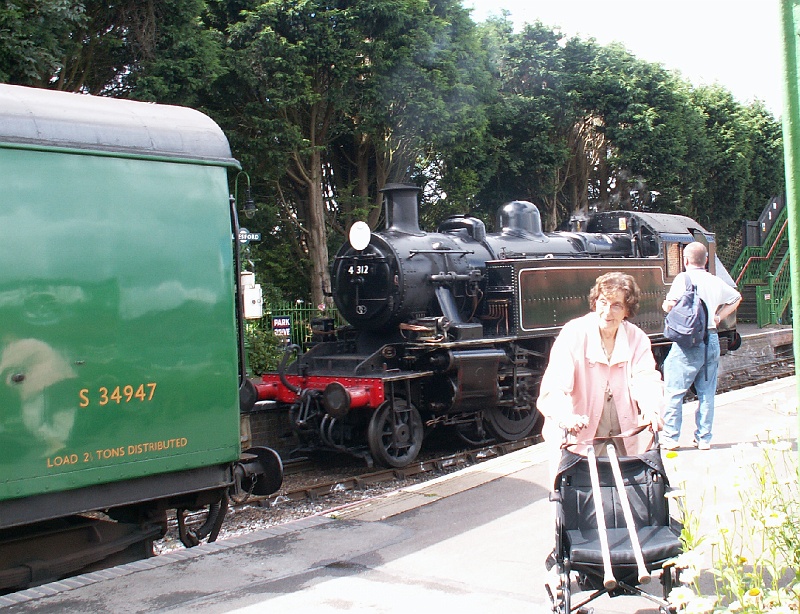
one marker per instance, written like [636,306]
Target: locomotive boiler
[453,328]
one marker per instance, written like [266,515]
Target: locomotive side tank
[454,327]
[119,356]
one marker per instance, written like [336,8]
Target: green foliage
[337,99]
[755,550]
[531,120]
[264,349]
[148,49]
[33,35]
[326,102]
[185,60]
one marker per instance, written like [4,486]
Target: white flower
[754,595]
[690,558]
[690,574]
[681,595]
[701,605]
[774,519]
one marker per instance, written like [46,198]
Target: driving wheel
[511,423]
[395,433]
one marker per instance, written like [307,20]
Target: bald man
[698,365]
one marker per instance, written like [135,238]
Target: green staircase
[762,276]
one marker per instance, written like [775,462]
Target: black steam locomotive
[454,327]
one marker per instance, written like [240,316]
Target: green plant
[755,547]
[264,349]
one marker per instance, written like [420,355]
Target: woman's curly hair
[613,282]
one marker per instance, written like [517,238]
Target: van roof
[47,118]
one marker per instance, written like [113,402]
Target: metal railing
[755,262]
[767,268]
[294,320]
[773,299]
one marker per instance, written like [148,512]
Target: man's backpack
[687,322]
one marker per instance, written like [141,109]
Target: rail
[753,263]
[773,298]
[766,268]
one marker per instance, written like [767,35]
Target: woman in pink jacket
[602,378]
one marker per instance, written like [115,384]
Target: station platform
[472,542]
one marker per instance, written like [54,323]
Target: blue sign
[245,236]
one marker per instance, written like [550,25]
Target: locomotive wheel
[395,436]
[474,435]
[511,423]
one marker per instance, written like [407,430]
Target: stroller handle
[566,443]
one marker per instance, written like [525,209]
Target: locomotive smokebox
[402,208]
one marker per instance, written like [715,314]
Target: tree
[351,95]
[767,176]
[531,122]
[151,49]
[325,102]
[33,35]
[640,118]
[302,54]
[728,174]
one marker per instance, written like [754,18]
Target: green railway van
[119,343]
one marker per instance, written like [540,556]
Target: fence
[292,320]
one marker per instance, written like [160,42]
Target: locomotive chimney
[402,208]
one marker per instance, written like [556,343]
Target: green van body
[118,332]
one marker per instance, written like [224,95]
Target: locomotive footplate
[363,391]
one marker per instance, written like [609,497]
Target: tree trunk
[317,234]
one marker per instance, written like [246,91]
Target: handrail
[782,284]
[743,261]
[773,298]
[766,257]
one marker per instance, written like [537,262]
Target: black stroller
[610,558]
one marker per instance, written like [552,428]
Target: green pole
[790,16]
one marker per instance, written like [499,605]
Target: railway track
[311,489]
[754,375]
[438,465]
[732,380]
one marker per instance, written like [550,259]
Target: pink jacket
[578,372]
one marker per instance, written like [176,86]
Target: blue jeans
[682,368]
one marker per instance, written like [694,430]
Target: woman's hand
[654,419]
[572,423]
